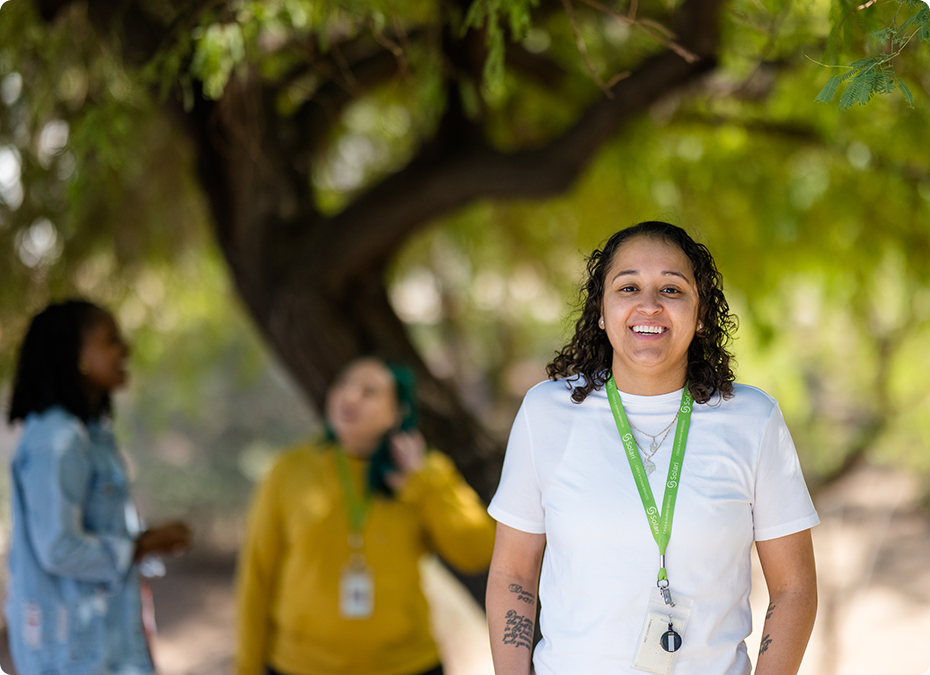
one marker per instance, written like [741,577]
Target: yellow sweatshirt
[297,545]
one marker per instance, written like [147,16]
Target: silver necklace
[654,445]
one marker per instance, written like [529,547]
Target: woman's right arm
[511,598]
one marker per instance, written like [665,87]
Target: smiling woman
[649,312]
[649,356]
[673,255]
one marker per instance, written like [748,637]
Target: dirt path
[873,555]
[873,558]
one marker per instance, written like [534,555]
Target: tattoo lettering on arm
[518,631]
[522,596]
[766,642]
[770,611]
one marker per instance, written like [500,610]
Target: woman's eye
[627,289]
[671,291]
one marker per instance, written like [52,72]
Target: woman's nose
[650,302]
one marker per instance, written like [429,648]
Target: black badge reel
[671,641]
[663,633]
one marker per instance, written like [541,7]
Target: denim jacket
[73,605]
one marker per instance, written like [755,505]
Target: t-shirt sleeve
[782,504]
[518,501]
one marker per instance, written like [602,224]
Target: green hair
[382,463]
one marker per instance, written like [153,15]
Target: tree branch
[370,229]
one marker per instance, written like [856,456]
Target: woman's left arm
[791,578]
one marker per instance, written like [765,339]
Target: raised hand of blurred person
[409,452]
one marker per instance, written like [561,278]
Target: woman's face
[361,406]
[103,353]
[650,310]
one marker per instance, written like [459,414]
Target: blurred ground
[873,550]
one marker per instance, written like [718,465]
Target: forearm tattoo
[766,643]
[522,596]
[518,631]
[770,611]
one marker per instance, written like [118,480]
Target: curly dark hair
[47,372]
[588,356]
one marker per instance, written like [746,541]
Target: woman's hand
[173,538]
[409,452]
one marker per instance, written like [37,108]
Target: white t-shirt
[566,475]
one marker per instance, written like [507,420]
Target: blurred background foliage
[819,220]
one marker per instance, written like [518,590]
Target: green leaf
[219,48]
[829,90]
[884,34]
[478,13]
[908,96]
[521,17]
[880,82]
[855,91]
[866,91]
[924,32]
[865,64]
[494,64]
[910,21]
[489,14]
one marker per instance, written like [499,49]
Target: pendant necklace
[654,446]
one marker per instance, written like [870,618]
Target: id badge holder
[356,590]
[663,633]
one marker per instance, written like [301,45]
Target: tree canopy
[421,179]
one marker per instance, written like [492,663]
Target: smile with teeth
[649,330]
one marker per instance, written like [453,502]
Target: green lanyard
[660,525]
[356,504]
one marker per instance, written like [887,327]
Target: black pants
[435,671]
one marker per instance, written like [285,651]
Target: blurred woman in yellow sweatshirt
[328,579]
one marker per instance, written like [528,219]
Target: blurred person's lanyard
[356,583]
[659,524]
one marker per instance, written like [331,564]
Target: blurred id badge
[663,633]
[356,592]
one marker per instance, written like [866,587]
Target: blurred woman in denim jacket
[74,604]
